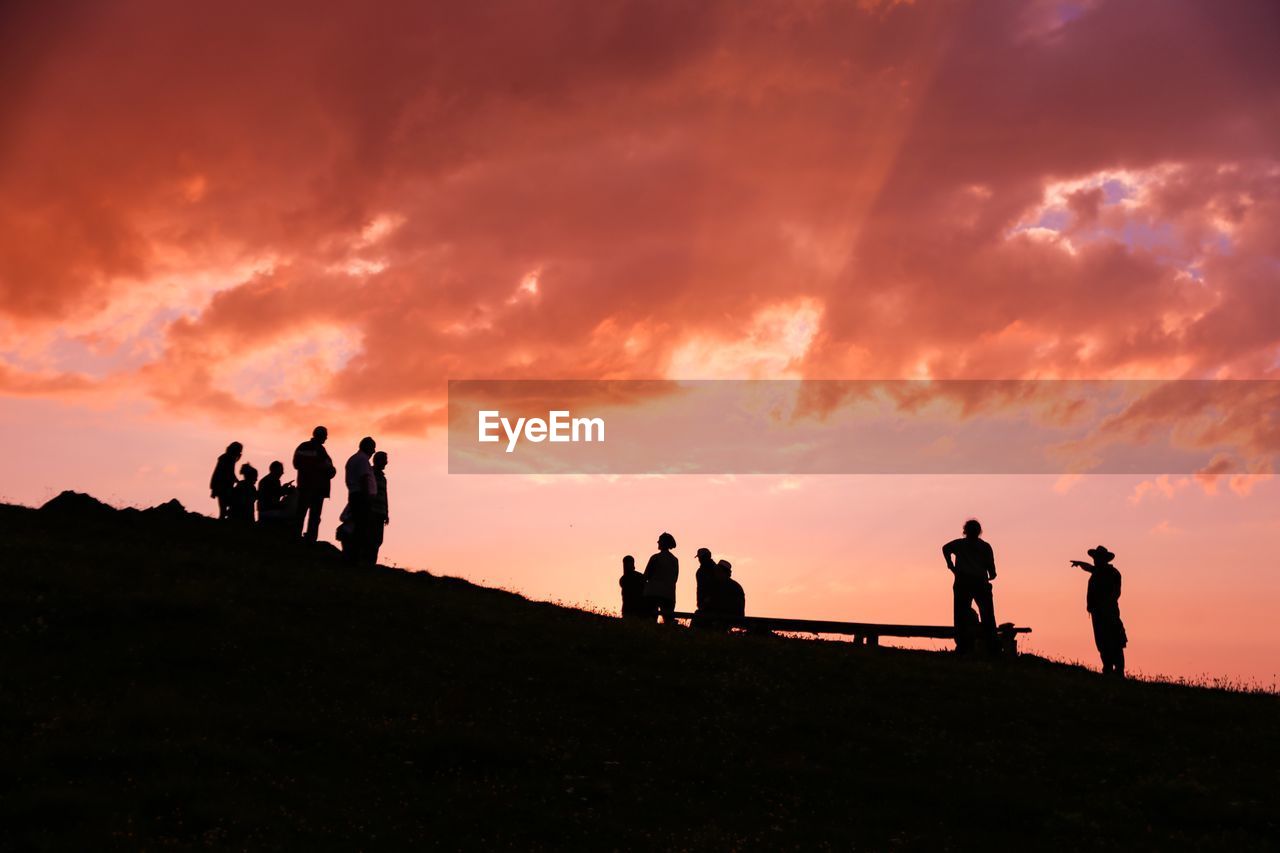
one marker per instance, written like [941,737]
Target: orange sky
[235,221]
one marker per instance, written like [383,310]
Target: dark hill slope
[168,681]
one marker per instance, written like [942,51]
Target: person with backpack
[223,481]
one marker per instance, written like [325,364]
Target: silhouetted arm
[1081,564]
[991,563]
[948,554]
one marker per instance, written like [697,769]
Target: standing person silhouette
[223,481]
[362,486]
[708,579]
[1102,600]
[379,507]
[315,470]
[660,576]
[634,604]
[973,563]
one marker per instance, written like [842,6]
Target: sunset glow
[236,221]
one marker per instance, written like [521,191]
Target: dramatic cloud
[288,209]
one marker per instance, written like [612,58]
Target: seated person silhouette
[634,604]
[1102,600]
[272,514]
[245,494]
[734,597]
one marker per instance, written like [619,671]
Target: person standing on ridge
[223,481]
[660,576]
[707,578]
[1102,600]
[362,486]
[634,604]
[973,563]
[379,507]
[315,470]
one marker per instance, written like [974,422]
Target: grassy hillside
[168,681]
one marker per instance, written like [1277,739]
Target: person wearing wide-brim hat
[1103,603]
[660,576]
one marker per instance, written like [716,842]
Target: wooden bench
[863,633]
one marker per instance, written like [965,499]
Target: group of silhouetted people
[651,594]
[972,562]
[295,510]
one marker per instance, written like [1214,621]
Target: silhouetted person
[245,494]
[361,488]
[634,604]
[660,576]
[272,513]
[973,563]
[223,481]
[315,470]
[725,599]
[379,507]
[1103,603]
[707,578]
[734,597]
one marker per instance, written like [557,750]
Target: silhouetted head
[1101,554]
[368,445]
[628,563]
[380,460]
[973,527]
[704,557]
[249,473]
[320,434]
[234,449]
[666,541]
[276,468]
[725,567]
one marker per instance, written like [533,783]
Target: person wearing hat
[1102,600]
[732,598]
[660,576]
[707,578]
[973,563]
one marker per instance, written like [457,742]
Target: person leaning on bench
[973,563]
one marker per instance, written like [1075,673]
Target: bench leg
[873,640]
